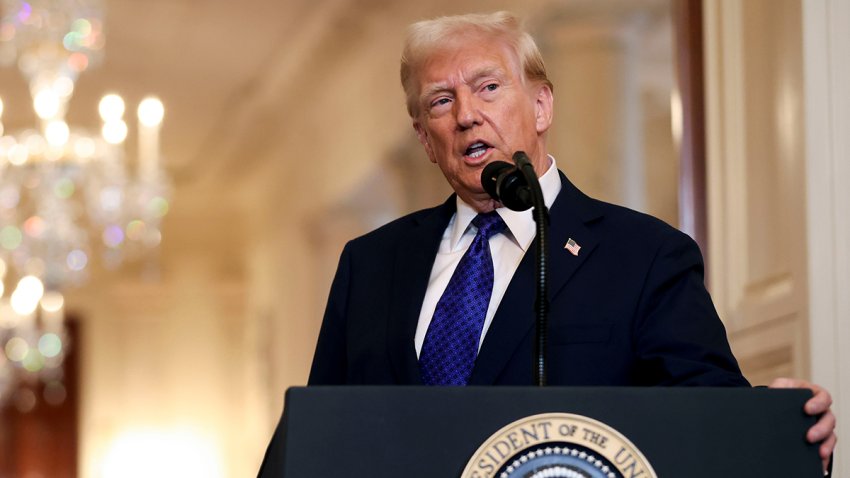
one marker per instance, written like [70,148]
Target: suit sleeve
[329,360]
[679,337]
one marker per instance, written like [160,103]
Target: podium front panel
[432,432]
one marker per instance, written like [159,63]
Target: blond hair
[427,36]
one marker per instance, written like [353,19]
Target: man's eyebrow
[434,89]
[486,71]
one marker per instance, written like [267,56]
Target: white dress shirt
[507,250]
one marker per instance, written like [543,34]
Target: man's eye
[491,86]
[439,102]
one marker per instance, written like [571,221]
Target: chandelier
[68,195]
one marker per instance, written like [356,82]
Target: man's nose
[466,109]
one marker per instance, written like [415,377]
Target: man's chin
[486,206]
[480,201]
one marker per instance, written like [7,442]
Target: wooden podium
[434,432]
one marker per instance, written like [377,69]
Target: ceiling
[204,59]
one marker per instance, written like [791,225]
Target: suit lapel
[515,317]
[569,219]
[411,272]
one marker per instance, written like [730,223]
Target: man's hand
[824,429]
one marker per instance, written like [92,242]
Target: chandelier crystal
[67,194]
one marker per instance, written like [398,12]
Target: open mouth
[477,150]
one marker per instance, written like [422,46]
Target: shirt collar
[520,223]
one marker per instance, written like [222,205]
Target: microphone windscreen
[490,177]
[506,184]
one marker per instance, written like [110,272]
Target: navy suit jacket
[630,309]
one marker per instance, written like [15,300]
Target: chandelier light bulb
[57,133]
[46,103]
[111,108]
[151,111]
[21,303]
[27,294]
[52,301]
[114,132]
[31,287]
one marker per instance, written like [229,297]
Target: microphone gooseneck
[518,188]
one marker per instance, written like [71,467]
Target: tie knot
[489,224]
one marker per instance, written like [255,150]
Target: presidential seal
[558,445]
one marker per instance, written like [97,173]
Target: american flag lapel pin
[572,246]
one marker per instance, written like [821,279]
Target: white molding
[726,149]
[826,35]
[714,164]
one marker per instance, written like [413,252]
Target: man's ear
[422,135]
[544,108]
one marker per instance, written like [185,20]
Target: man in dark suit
[431,298]
[628,309]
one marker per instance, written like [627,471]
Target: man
[445,296]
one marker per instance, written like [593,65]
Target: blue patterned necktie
[451,343]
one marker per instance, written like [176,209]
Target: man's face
[475,108]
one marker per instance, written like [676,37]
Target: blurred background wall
[285,135]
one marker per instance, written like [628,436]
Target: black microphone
[517,188]
[505,183]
